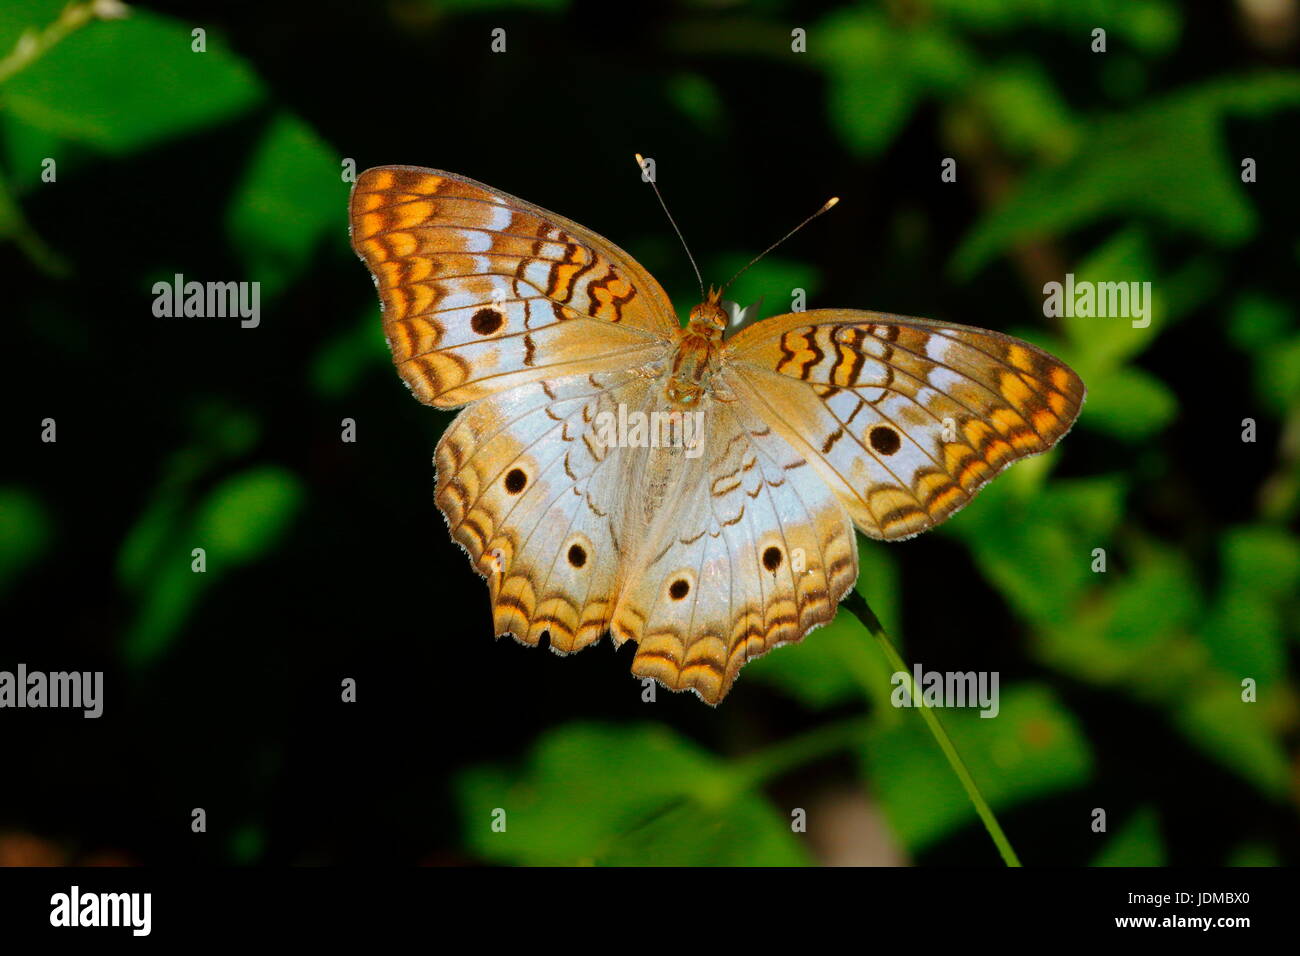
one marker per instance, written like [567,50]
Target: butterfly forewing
[905,418]
[483,292]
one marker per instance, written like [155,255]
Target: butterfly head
[709,318]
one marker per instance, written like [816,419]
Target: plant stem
[33,43]
[862,611]
[822,741]
[31,46]
[14,225]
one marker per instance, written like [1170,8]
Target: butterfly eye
[515,480]
[884,439]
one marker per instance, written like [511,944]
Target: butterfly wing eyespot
[905,418]
[482,291]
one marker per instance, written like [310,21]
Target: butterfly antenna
[698,278]
[830,203]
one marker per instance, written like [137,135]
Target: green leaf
[1157,599]
[698,99]
[151,537]
[1149,25]
[172,594]
[291,196]
[1277,376]
[25,532]
[247,844]
[746,834]
[343,360]
[871,93]
[1033,748]
[221,433]
[1131,628]
[1235,733]
[1261,580]
[246,514]
[1100,343]
[236,523]
[594,793]
[1244,635]
[1128,404]
[1036,548]
[1138,843]
[1258,320]
[1166,161]
[116,87]
[1026,111]
[878,72]
[1263,560]
[21,16]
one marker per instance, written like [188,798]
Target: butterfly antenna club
[826,207]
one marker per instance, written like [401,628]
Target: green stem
[14,225]
[860,609]
[768,764]
[33,44]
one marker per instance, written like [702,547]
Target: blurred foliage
[1165,161]
[1122,689]
[650,797]
[77,101]
[24,533]
[1136,843]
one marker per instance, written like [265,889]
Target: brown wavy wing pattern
[535,499]
[751,551]
[707,561]
[905,418]
[482,291]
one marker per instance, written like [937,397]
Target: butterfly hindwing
[905,418]
[707,556]
[751,551]
[535,499]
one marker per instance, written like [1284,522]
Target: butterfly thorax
[695,358]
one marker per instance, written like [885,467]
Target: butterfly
[735,533]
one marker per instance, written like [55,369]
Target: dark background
[328,560]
